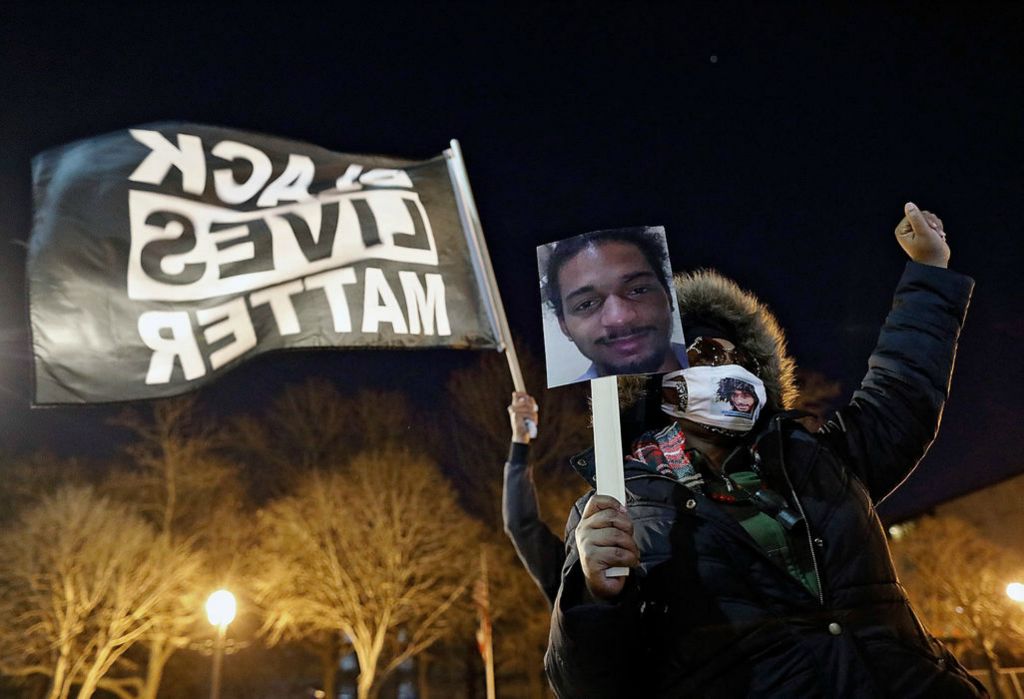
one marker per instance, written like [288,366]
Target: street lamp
[1015,591]
[220,610]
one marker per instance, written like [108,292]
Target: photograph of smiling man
[608,306]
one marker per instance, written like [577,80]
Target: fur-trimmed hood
[708,294]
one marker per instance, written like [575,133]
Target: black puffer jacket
[709,615]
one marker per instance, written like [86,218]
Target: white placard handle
[604,401]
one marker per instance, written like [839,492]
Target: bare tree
[477,435]
[521,618]
[81,579]
[26,479]
[314,426]
[995,510]
[957,580]
[379,551]
[176,474]
[178,479]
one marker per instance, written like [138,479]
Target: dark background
[776,142]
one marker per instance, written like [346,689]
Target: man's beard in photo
[644,365]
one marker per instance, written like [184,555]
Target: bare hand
[604,538]
[921,236]
[522,408]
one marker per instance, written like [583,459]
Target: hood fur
[707,293]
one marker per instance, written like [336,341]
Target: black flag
[163,255]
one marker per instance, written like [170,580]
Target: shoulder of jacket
[652,488]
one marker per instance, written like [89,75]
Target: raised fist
[522,411]
[920,234]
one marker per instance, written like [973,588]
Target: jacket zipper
[800,507]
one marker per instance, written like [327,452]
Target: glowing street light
[1015,591]
[220,610]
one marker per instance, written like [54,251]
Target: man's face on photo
[742,400]
[616,311]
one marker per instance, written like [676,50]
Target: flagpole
[482,263]
[489,631]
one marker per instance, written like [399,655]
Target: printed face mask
[726,397]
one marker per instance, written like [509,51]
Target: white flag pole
[604,401]
[482,265]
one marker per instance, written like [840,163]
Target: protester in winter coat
[759,565]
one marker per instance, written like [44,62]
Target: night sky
[775,142]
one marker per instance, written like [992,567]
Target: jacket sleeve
[540,550]
[893,418]
[594,647]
